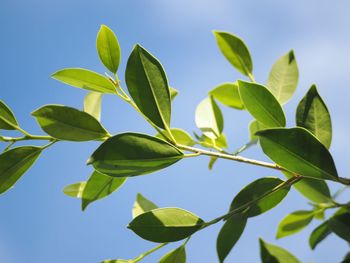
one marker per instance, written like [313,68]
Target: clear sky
[38,223]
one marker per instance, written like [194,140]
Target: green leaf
[85,79]
[148,86]
[255,126]
[283,77]
[235,51]
[261,104]
[108,48]
[166,225]
[66,123]
[298,151]
[14,163]
[181,136]
[229,234]
[228,94]
[209,118]
[313,115]
[294,223]
[131,154]
[177,255]
[340,225]
[142,205]
[346,259]
[92,104]
[273,254]
[75,190]
[173,93]
[99,186]
[256,190]
[7,118]
[319,234]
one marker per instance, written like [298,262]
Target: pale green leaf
[294,223]
[181,136]
[177,255]
[255,126]
[142,205]
[273,254]
[173,93]
[92,104]
[75,190]
[228,94]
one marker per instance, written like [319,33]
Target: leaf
[235,51]
[7,118]
[108,48]
[283,77]
[313,115]
[340,225]
[346,259]
[14,163]
[228,94]
[177,255]
[181,136]
[75,190]
[256,190]
[255,126]
[319,234]
[99,186]
[211,163]
[173,93]
[148,86]
[66,123]
[118,261]
[131,154]
[166,225]
[85,79]
[209,118]
[273,254]
[92,104]
[229,234]
[261,104]
[294,223]
[142,205]
[298,151]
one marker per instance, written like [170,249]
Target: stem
[245,147]
[142,256]
[49,144]
[251,77]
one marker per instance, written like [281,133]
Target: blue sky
[39,224]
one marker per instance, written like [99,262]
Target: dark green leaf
[108,48]
[273,254]
[255,191]
[319,234]
[261,104]
[131,154]
[92,104]
[85,79]
[173,93]
[235,51]
[313,115]
[228,94]
[66,123]
[75,190]
[283,78]
[181,136]
[177,255]
[340,225]
[294,223]
[165,225]
[229,234]
[14,163]
[7,118]
[298,151]
[142,205]
[148,86]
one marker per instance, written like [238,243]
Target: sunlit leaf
[7,118]
[177,255]
[75,190]
[228,94]
[255,126]
[142,205]
[173,93]
[294,223]
[92,104]
[273,254]
[181,136]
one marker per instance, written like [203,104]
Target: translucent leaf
[294,223]
[142,205]
[228,94]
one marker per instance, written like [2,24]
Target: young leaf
[283,77]
[340,225]
[173,93]
[228,94]
[177,255]
[66,123]
[273,254]
[261,104]
[209,118]
[313,115]
[229,234]
[131,154]
[85,79]
[14,163]
[294,223]
[108,48]
[298,151]
[319,234]
[148,86]
[142,205]
[7,118]
[92,104]
[235,51]
[181,136]
[255,126]
[75,190]
[255,191]
[99,186]
[165,225]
